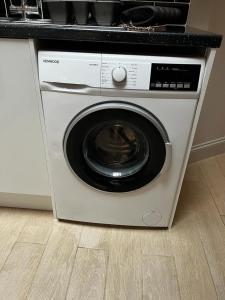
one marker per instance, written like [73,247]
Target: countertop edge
[197,38]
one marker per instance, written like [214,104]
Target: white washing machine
[117,130]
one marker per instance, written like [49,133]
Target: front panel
[75,200]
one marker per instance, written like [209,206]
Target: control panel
[183,77]
[125,72]
[151,73]
[121,72]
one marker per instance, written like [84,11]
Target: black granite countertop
[169,36]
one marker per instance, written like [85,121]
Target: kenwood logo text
[52,61]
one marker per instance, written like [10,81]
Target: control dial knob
[119,74]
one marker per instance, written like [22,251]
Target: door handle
[69,88]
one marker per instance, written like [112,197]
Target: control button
[158,85]
[153,85]
[173,85]
[119,74]
[180,85]
[165,85]
[187,85]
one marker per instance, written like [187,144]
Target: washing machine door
[116,146]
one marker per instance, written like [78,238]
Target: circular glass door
[115,146]
[116,149]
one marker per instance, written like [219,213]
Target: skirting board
[25,201]
[207,149]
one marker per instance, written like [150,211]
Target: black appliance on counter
[96,12]
[116,12]
[92,12]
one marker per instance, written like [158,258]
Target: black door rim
[151,127]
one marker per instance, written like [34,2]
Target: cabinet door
[23,166]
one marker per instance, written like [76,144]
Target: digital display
[175,77]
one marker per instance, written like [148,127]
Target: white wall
[210,15]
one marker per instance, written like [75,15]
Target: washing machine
[117,129]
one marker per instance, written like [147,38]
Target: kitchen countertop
[172,36]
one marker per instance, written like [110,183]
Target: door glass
[116,149]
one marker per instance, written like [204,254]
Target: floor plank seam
[158,255]
[177,278]
[13,245]
[141,268]
[106,270]
[25,223]
[7,256]
[204,181]
[90,248]
[142,276]
[28,292]
[73,264]
[206,257]
[107,278]
[32,243]
[219,165]
[45,246]
[223,221]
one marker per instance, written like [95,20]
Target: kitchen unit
[23,161]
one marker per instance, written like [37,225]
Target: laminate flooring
[41,258]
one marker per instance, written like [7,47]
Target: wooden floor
[41,258]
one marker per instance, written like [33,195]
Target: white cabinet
[23,168]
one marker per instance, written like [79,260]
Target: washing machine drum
[116,146]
